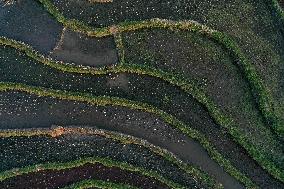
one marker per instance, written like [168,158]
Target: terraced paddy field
[141,94]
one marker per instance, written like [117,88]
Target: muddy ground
[43,112]
[24,151]
[28,22]
[53,179]
[139,88]
[80,49]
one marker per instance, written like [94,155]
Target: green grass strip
[174,79]
[85,184]
[93,160]
[265,100]
[228,122]
[73,24]
[114,101]
[124,139]
[119,46]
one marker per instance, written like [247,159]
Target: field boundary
[80,162]
[122,138]
[115,101]
[85,184]
[263,98]
[173,79]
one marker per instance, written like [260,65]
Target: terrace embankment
[28,151]
[202,60]
[138,88]
[247,22]
[185,107]
[45,111]
[60,178]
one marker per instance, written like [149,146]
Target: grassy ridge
[105,161]
[122,138]
[104,100]
[98,184]
[72,24]
[174,79]
[119,46]
[264,99]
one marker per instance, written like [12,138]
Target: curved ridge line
[115,101]
[120,48]
[264,99]
[173,79]
[80,162]
[87,183]
[196,173]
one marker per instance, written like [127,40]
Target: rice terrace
[141,94]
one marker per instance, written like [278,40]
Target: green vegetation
[167,62]
[172,78]
[80,162]
[122,138]
[72,24]
[103,101]
[98,184]
[119,47]
[265,101]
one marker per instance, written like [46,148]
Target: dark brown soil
[83,50]
[52,179]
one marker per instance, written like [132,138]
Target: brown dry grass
[58,131]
